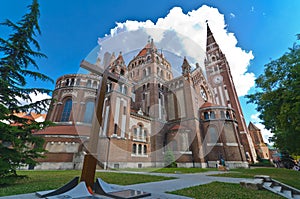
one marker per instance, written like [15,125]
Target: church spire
[210,40]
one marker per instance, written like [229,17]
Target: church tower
[221,81]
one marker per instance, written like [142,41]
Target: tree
[278,99]
[18,146]
[169,159]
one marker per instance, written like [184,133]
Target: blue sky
[70,28]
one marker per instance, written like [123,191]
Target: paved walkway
[158,189]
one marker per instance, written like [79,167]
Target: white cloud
[231,15]
[35,98]
[266,134]
[190,27]
[252,9]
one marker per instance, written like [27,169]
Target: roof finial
[149,37]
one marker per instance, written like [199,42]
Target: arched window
[206,116]
[89,84]
[140,149]
[89,112]
[227,115]
[95,85]
[65,117]
[212,115]
[140,131]
[145,149]
[135,133]
[67,82]
[134,148]
[77,82]
[72,82]
[115,129]
[124,90]
[213,134]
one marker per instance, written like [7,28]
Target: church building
[197,115]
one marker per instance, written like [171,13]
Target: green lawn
[286,176]
[184,170]
[46,180]
[170,170]
[224,190]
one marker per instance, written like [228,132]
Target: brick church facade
[197,115]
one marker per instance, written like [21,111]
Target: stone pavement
[158,189]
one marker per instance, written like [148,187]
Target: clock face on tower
[203,94]
[218,79]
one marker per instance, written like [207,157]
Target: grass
[170,170]
[287,176]
[184,170]
[224,190]
[47,180]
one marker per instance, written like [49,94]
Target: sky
[249,33]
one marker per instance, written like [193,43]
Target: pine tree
[18,146]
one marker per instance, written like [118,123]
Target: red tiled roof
[208,104]
[142,53]
[30,116]
[251,126]
[65,130]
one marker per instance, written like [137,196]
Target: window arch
[95,84]
[67,82]
[140,149]
[228,115]
[122,72]
[148,58]
[145,149]
[72,82]
[78,82]
[89,83]
[135,133]
[65,117]
[89,112]
[212,115]
[134,148]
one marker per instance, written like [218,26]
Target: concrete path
[158,189]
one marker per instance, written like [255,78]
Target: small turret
[186,68]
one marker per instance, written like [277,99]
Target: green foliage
[169,159]
[18,146]
[278,99]
[183,170]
